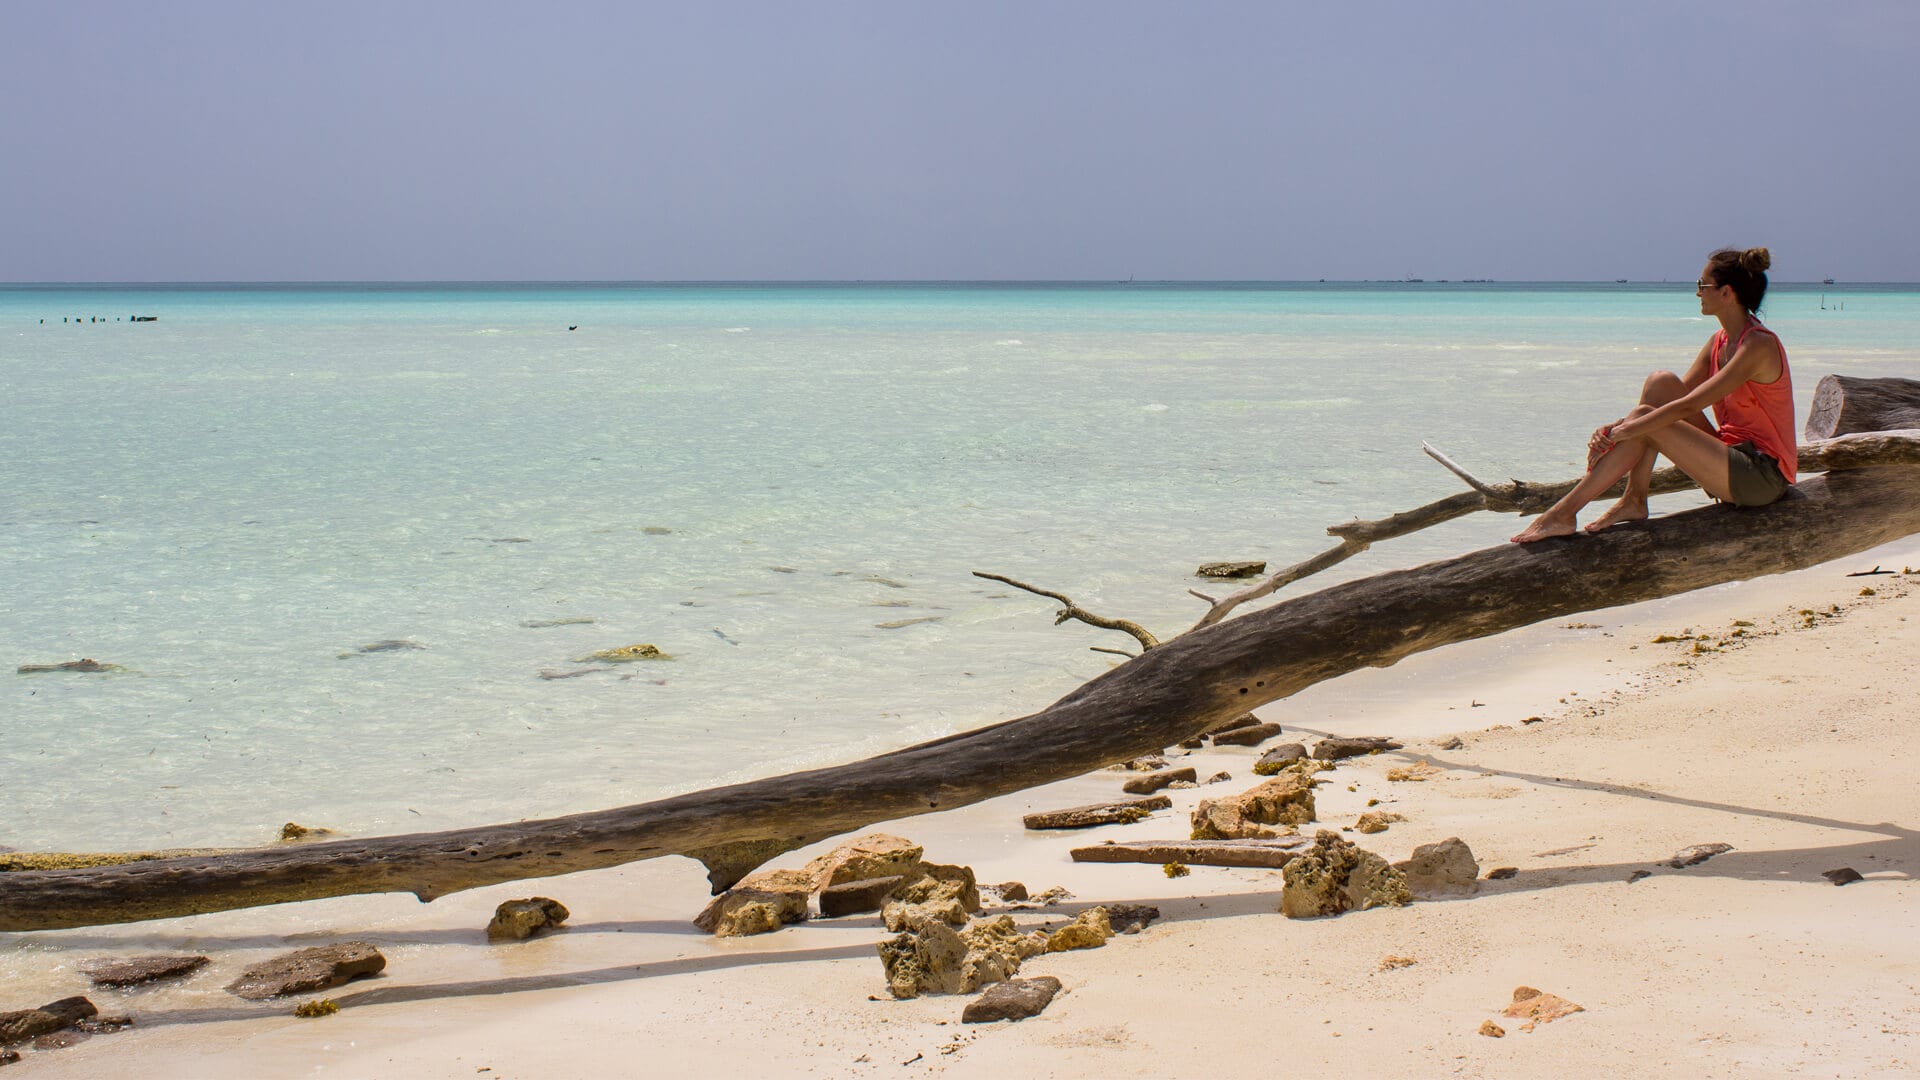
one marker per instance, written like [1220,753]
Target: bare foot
[1543,527]
[1617,513]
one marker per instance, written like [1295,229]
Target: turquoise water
[770,483]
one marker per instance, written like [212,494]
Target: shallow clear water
[231,501]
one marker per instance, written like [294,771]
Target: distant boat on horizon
[1826,281]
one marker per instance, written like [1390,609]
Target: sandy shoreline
[1792,744]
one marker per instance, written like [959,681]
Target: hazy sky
[820,140]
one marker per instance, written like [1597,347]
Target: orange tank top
[1756,412]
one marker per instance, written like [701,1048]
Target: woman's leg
[1660,388]
[1634,459]
[1562,518]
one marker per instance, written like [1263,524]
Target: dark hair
[1745,271]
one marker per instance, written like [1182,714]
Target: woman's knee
[1662,387]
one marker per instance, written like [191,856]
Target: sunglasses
[1700,286]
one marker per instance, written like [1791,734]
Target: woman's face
[1713,298]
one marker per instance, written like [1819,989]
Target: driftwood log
[1843,404]
[1178,689]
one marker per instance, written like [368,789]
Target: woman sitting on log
[1748,460]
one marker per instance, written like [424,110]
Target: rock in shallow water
[1232,569]
[84,665]
[626,654]
[308,969]
[133,971]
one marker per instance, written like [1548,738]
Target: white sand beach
[1791,742]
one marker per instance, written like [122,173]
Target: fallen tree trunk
[1171,692]
[1844,403]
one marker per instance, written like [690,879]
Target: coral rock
[1492,1030]
[1278,758]
[626,654]
[1446,868]
[741,911]
[1697,854]
[937,959]
[1016,999]
[140,969]
[1131,918]
[308,969]
[1114,813]
[1538,1006]
[1336,748]
[1376,821]
[898,915]
[1089,930]
[857,897]
[1154,781]
[875,855]
[1285,800]
[1334,876]
[1011,890]
[1252,735]
[1243,720]
[293,830]
[1232,569]
[516,920]
[24,1024]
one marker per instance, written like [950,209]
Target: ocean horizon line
[908,283]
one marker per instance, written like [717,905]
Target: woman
[1748,460]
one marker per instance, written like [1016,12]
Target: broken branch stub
[1075,611]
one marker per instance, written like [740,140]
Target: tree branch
[1075,611]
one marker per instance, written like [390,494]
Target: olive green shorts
[1753,475]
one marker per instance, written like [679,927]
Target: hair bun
[1756,259]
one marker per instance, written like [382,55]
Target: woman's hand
[1601,442]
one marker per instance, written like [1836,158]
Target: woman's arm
[1602,439]
[1757,357]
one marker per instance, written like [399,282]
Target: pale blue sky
[349,141]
